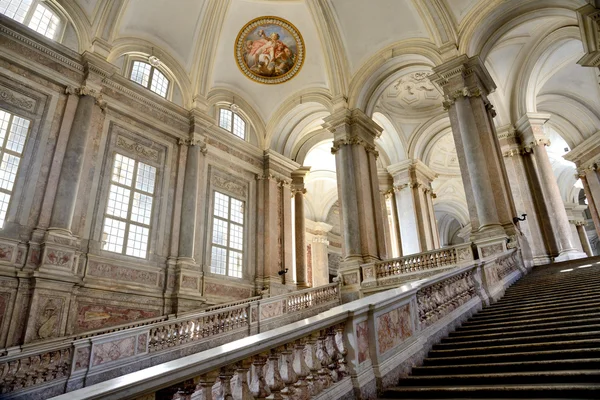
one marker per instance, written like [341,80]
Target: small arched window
[35,14]
[232,122]
[149,77]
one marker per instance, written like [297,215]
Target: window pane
[239,127]
[160,83]
[146,175]
[15,9]
[44,21]
[217,260]
[114,235]
[123,170]
[137,241]
[118,201]
[236,237]
[141,210]
[237,211]
[4,118]
[220,232]
[221,205]
[8,171]
[4,200]
[225,119]
[235,264]
[18,134]
[140,73]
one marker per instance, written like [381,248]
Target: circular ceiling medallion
[269,50]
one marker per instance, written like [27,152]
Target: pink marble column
[466,84]
[298,192]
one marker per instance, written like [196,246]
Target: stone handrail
[375,272]
[350,351]
[93,359]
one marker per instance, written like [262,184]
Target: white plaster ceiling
[460,8]
[443,158]
[369,26]
[410,95]
[89,7]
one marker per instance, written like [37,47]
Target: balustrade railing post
[286,370]
[313,364]
[301,370]
[273,376]
[258,384]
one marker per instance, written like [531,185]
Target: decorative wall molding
[137,148]
[17,99]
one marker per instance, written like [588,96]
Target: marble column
[588,17]
[583,238]
[391,225]
[354,136]
[466,84]
[317,239]
[586,155]
[275,224]
[298,192]
[524,184]
[413,194]
[553,220]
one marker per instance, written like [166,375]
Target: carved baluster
[258,384]
[273,376]
[222,390]
[341,348]
[204,388]
[325,359]
[332,350]
[240,389]
[302,371]
[286,371]
[313,364]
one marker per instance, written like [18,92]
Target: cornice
[586,153]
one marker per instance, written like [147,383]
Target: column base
[570,255]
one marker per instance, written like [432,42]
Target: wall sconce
[517,219]
[283,271]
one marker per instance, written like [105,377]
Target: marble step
[461,336]
[506,391]
[516,356]
[553,301]
[562,376]
[539,323]
[514,348]
[580,314]
[521,366]
[541,288]
[561,310]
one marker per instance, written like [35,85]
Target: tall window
[13,133]
[227,236]
[129,207]
[232,122]
[149,77]
[34,14]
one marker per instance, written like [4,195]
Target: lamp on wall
[283,271]
[517,219]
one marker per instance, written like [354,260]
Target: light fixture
[154,61]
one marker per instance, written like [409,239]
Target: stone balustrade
[72,363]
[382,275]
[349,351]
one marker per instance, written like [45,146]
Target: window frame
[167,76]
[128,221]
[228,248]
[62,20]
[4,150]
[233,116]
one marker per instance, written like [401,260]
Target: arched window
[149,77]
[232,122]
[35,14]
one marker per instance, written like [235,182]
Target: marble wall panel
[91,316]
[271,310]
[218,289]
[362,341]
[393,328]
[123,274]
[114,350]
[82,358]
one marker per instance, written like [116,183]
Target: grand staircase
[541,340]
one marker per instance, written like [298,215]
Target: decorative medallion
[269,50]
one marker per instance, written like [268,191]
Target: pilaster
[413,194]
[466,83]
[298,192]
[318,262]
[588,18]
[354,136]
[276,224]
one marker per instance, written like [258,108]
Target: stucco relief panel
[362,341]
[92,316]
[111,351]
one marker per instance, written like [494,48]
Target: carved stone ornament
[337,144]
[16,99]
[137,148]
[269,50]
[229,185]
